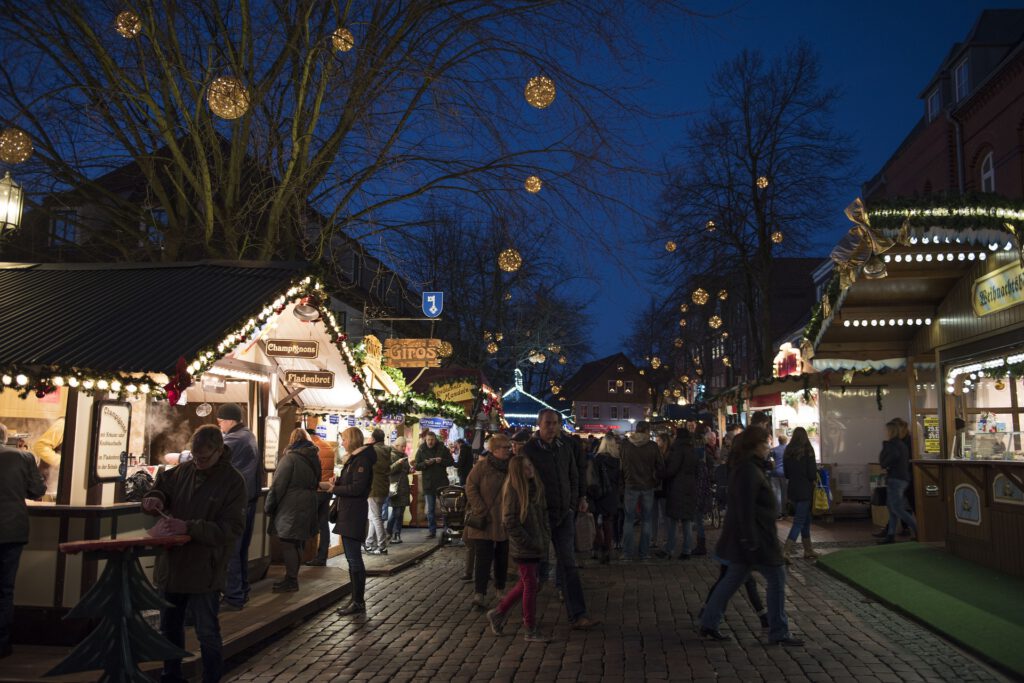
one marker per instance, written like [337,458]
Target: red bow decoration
[179,383]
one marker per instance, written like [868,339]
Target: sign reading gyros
[314,379]
[293,348]
[413,353]
[999,289]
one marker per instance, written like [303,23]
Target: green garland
[832,292]
[955,212]
[411,402]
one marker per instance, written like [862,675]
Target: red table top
[118,544]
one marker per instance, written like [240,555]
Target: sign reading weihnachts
[413,353]
[999,289]
[292,348]
[313,379]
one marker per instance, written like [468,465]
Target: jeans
[525,590]
[567,575]
[356,569]
[488,553]
[750,585]
[385,510]
[645,500]
[430,500]
[699,523]
[735,576]
[395,521]
[801,520]
[10,555]
[236,586]
[670,541]
[323,507]
[657,514]
[375,538]
[204,608]
[898,505]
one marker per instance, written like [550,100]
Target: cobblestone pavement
[420,626]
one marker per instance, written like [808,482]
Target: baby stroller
[452,501]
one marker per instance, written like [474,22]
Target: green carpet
[979,608]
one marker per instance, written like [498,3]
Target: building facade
[605,395]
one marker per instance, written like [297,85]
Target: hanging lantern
[670,246]
[683,308]
[15,146]
[540,92]
[723,294]
[710,225]
[128,24]
[562,360]
[492,348]
[682,322]
[699,296]
[12,199]
[445,350]
[762,182]
[509,260]
[343,40]
[714,322]
[777,237]
[533,184]
[227,97]
[655,363]
[678,343]
[726,362]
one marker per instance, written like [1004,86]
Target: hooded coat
[292,500]
[483,495]
[527,540]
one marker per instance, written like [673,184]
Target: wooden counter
[976,507]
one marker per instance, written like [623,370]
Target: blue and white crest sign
[433,304]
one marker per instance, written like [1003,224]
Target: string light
[699,296]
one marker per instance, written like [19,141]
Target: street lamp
[12,199]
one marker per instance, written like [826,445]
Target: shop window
[613,413]
[988,174]
[934,104]
[596,412]
[628,387]
[611,386]
[960,81]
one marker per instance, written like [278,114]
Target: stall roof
[138,317]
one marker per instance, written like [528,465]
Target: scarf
[497,463]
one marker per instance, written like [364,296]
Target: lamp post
[12,199]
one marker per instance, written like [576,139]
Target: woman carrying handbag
[483,526]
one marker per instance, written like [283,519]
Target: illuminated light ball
[677,393]
[714,322]
[343,40]
[683,308]
[555,389]
[726,362]
[725,335]
[15,146]
[492,348]
[7,379]
[498,336]
[777,237]
[131,388]
[685,379]
[87,384]
[508,296]
[762,182]
[540,92]
[102,384]
[57,381]
[488,336]
[655,362]
[642,371]
[666,393]
[72,382]
[445,349]
[509,260]
[682,322]
[227,97]
[618,382]
[115,386]
[723,294]
[533,184]
[144,389]
[554,348]
[670,246]
[21,380]
[699,296]
[678,343]
[128,24]
[710,225]
[562,360]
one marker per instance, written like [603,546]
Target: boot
[701,549]
[359,587]
[809,553]
[787,550]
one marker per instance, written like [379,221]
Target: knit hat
[230,411]
[522,436]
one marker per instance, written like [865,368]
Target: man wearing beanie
[244,456]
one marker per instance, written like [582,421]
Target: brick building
[606,394]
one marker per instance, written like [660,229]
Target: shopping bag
[586,529]
[821,505]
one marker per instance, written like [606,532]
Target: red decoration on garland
[342,337]
[179,383]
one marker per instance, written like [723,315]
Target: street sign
[433,304]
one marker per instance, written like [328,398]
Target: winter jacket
[604,494]
[212,502]
[527,540]
[555,466]
[895,460]
[292,500]
[399,474]
[748,534]
[433,477]
[681,472]
[352,487]
[245,456]
[580,455]
[801,471]
[465,464]
[19,479]
[641,463]
[381,472]
[483,496]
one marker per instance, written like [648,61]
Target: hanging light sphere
[538,357]
[670,246]
[15,146]
[682,322]
[508,296]
[533,184]
[227,97]
[683,308]
[726,362]
[618,382]
[762,182]
[343,40]
[555,389]
[723,294]
[699,296]
[714,322]
[498,336]
[554,348]
[540,92]
[685,379]
[492,348]
[678,343]
[562,360]
[725,335]
[128,24]
[666,393]
[445,350]
[488,336]
[655,363]
[677,393]
[777,237]
[509,260]
[710,225]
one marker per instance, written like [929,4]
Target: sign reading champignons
[998,290]
[111,427]
[313,379]
[293,348]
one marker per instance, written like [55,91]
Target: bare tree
[753,179]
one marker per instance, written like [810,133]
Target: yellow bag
[820,499]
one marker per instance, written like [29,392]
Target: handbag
[332,514]
[586,530]
[821,505]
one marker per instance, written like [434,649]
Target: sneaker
[480,601]
[352,608]
[377,551]
[497,621]
[788,641]
[534,635]
[316,563]
[713,634]
[287,586]
[432,534]
[584,624]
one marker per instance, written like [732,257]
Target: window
[596,412]
[988,174]
[628,389]
[611,386]
[960,81]
[613,412]
[934,104]
[63,229]
[625,412]
[583,411]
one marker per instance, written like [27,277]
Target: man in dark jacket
[432,462]
[244,455]
[641,473]
[554,464]
[376,539]
[19,479]
[205,499]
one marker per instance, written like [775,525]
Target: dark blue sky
[880,54]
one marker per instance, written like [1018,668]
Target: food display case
[991,445]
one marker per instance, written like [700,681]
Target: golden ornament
[498,336]
[726,362]
[1000,384]
[723,294]
[488,336]
[15,146]
[540,92]
[762,182]
[533,184]
[227,97]
[618,382]
[445,350]
[710,225]
[509,260]
[508,296]
[682,322]
[128,24]
[777,237]
[655,363]
[670,246]
[666,393]
[699,296]
[562,360]
[685,379]
[555,389]
[343,40]
[492,348]
[683,308]
[678,343]
[677,393]
[714,322]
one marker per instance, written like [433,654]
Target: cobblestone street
[420,626]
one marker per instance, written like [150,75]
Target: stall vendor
[47,451]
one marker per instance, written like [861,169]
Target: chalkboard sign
[111,428]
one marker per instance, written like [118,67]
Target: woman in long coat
[352,488]
[681,469]
[292,504]
[483,495]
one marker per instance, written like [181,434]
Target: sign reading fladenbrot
[314,379]
[413,353]
[293,348]
[998,290]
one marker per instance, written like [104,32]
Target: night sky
[880,54]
